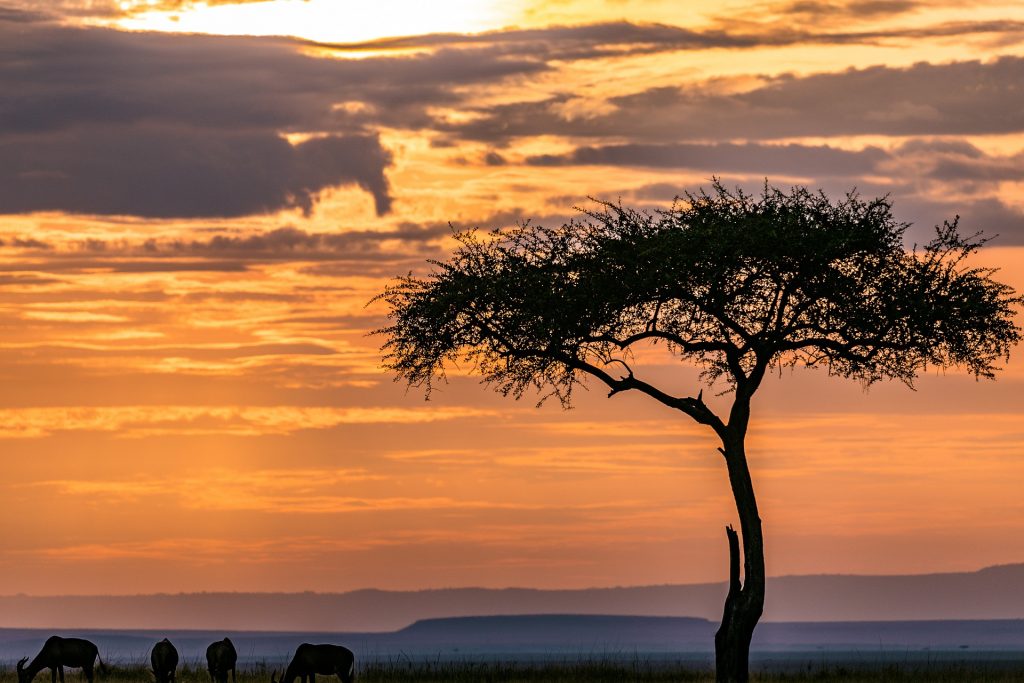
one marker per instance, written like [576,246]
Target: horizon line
[4,596]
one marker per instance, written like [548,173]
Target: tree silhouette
[737,284]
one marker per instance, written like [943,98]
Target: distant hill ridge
[525,637]
[991,593]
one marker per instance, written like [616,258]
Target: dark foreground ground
[590,672]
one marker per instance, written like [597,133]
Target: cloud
[175,5]
[294,244]
[929,180]
[621,38]
[793,159]
[492,158]
[304,491]
[992,216]
[228,250]
[71,265]
[588,41]
[816,14]
[80,77]
[108,9]
[141,421]
[816,10]
[159,125]
[159,172]
[74,317]
[18,15]
[17,280]
[959,98]
[96,121]
[958,161]
[634,454]
[294,491]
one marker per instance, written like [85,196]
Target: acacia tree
[735,283]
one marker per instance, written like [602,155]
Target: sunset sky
[200,199]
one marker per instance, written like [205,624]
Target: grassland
[589,672]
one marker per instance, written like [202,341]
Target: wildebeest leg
[53,674]
[232,676]
[87,670]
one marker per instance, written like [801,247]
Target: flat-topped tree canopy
[737,283]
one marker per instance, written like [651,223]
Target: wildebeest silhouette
[58,653]
[164,659]
[221,658]
[326,660]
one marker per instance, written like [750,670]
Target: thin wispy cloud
[147,421]
[618,39]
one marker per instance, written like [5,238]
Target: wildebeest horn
[21,663]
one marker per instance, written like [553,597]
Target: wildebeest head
[23,675]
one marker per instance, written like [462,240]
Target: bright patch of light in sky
[329,20]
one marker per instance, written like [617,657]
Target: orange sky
[195,223]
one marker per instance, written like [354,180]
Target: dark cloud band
[792,160]
[960,98]
[162,172]
[159,125]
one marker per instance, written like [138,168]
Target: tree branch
[694,407]
[685,344]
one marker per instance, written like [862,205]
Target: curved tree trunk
[745,602]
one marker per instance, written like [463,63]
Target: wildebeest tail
[102,667]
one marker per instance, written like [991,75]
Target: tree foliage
[738,284]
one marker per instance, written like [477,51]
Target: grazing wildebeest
[220,658]
[164,659]
[57,653]
[326,660]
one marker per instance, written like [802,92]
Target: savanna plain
[588,671]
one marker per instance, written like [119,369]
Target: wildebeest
[57,653]
[220,658]
[164,659]
[326,660]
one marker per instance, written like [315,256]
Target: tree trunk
[745,602]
